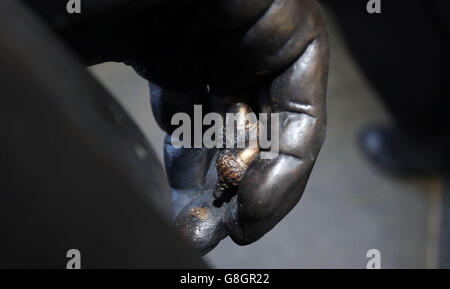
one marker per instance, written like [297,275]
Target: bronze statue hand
[269,54]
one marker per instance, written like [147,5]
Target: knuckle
[281,34]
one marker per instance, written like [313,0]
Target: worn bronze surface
[232,163]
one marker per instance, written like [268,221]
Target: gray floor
[348,207]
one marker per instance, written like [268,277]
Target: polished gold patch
[200,213]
